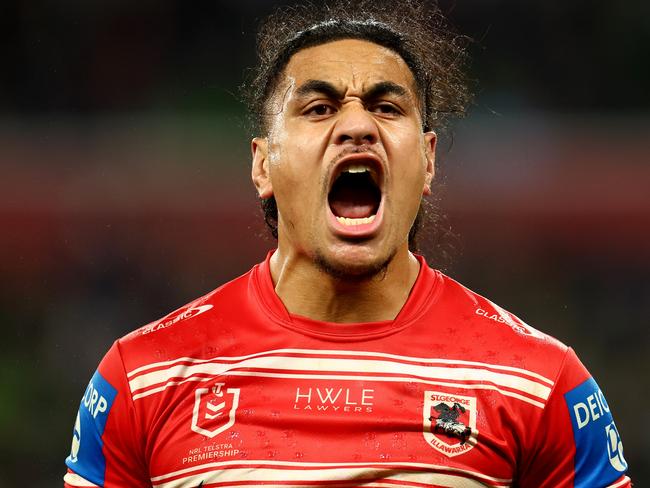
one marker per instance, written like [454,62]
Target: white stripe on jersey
[74,479]
[339,378]
[624,481]
[315,474]
[319,366]
[335,353]
[308,466]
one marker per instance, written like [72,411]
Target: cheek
[296,183]
[402,140]
[304,144]
[296,160]
[284,180]
[409,176]
[411,164]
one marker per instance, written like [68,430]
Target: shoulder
[192,313]
[497,334]
[184,331]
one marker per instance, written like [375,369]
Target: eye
[320,110]
[385,108]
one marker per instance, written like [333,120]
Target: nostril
[356,125]
[358,139]
[344,138]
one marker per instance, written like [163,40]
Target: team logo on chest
[449,422]
[214,409]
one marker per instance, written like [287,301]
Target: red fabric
[232,389]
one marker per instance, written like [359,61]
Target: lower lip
[356,231]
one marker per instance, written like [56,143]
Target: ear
[260,170]
[430,139]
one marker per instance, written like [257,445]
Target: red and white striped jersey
[232,390]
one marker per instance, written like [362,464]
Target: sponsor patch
[86,457]
[174,318]
[599,451]
[449,422]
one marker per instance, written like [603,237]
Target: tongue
[353,203]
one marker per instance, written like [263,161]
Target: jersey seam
[545,409]
[140,437]
[557,376]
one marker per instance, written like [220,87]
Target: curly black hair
[416,30]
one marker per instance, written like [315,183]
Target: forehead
[350,63]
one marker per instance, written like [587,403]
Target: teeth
[346,221]
[357,168]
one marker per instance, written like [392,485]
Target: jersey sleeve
[106,448]
[576,443]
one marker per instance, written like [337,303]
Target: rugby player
[343,359]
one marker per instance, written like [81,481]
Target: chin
[349,267]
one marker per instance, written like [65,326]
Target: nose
[355,125]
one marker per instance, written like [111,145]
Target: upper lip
[372,160]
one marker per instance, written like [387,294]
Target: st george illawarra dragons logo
[449,422]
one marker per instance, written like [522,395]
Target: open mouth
[355,196]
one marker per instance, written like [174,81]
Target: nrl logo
[449,422]
[214,409]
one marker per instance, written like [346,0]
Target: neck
[307,290]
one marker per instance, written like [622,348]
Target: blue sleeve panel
[86,457]
[599,457]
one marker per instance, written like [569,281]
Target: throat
[349,304]
[307,290]
[353,203]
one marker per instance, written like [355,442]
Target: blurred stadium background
[124,189]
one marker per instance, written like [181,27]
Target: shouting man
[344,359]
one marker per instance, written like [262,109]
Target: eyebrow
[311,87]
[326,88]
